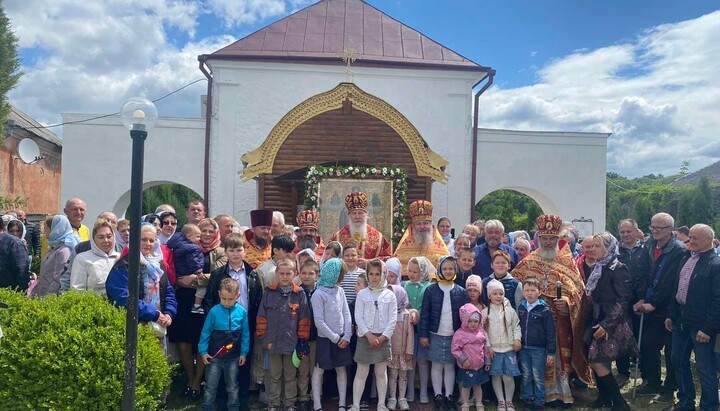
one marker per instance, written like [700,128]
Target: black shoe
[449,403]
[665,397]
[439,403]
[647,389]
[678,407]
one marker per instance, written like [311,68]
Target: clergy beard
[548,253]
[358,229]
[260,242]
[422,237]
[307,241]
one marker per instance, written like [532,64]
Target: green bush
[67,353]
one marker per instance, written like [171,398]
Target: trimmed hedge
[67,353]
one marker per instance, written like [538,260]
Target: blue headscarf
[61,232]
[330,272]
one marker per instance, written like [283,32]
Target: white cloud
[91,56]
[658,94]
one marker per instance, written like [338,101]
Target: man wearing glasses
[657,271]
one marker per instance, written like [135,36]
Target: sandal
[187,391]
[195,394]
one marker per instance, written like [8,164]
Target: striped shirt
[349,283]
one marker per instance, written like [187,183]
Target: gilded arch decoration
[262,159]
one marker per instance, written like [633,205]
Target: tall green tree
[643,212]
[9,64]
[702,204]
[176,195]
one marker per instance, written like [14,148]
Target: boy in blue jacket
[538,343]
[224,345]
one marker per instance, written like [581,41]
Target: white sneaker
[392,403]
[424,399]
[381,407]
[403,404]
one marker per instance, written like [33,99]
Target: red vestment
[374,245]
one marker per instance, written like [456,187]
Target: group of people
[272,308]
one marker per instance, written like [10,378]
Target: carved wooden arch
[262,159]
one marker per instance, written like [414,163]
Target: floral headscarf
[427,271]
[612,252]
[383,278]
[215,242]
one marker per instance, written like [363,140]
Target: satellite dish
[28,151]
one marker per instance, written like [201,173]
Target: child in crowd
[376,317]
[503,330]
[500,263]
[226,323]
[439,320]
[283,319]
[403,347]
[333,250]
[309,271]
[419,271]
[189,260]
[468,348]
[394,271]
[473,286]
[466,262]
[538,343]
[462,241]
[334,329]
[350,258]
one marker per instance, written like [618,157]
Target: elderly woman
[91,268]
[608,334]
[168,224]
[61,243]
[156,300]
[187,326]
[122,234]
[522,246]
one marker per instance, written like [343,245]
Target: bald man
[75,210]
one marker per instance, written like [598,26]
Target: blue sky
[644,70]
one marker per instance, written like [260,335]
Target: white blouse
[375,312]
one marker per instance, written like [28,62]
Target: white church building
[282,99]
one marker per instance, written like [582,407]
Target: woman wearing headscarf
[61,243]
[156,300]
[187,326]
[91,268]
[608,334]
[419,271]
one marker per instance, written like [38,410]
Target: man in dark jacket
[694,321]
[13,261]
[251,291]
[657,275]
[32,234]
[629,254]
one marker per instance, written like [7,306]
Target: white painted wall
[250,98]
[97,159]
[563,172]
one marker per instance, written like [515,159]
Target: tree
[613,215]
[176,195]
[643,212]
[702,204]
[9,64]
[684,168]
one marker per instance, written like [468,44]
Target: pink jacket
[469,345]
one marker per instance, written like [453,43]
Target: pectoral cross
[349,55]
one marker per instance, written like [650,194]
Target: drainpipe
[208,116]
[490,76]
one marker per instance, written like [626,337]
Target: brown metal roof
[28,123]
[320,32]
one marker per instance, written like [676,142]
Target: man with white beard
[371,243]
[551,263]
[421,238]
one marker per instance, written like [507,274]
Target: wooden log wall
[348,136]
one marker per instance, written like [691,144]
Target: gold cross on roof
[349,55]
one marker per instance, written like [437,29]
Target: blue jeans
[532,364]
[684,342]
[228,368]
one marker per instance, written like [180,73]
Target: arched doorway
[516,210]
[342,126]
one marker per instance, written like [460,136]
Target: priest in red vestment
[258,249]
[421,238]
[371,243]
[308,237]
[551,263]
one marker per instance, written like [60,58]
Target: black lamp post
[139,115]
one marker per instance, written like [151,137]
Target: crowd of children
[452,327]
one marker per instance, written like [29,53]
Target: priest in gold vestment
[421,238]
[551,263]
